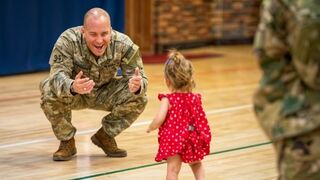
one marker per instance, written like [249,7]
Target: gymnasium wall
[186,23]
[181,24]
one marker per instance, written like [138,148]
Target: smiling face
[96,31]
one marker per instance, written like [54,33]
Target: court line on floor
[156,164]
[210,112]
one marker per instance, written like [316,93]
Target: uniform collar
[110,49]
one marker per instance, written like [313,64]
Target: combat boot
[107,144]
[66,151]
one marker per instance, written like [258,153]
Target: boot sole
[62,158]
[96,142]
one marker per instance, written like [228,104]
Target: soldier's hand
[82,85]
[135,81]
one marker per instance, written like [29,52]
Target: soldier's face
[97,34]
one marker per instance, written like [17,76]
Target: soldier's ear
[110,33]
[82,30]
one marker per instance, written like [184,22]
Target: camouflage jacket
[71,55]
[287,43]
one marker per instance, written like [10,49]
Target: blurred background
[30,28]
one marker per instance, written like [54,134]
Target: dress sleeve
[160,96]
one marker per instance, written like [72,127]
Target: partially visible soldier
[287,103]
[84,62]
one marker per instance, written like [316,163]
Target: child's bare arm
[161,115]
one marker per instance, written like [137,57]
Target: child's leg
[173,167]
[198,170]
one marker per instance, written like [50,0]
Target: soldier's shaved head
[96,13]
[97,30]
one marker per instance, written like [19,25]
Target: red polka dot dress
[185,130]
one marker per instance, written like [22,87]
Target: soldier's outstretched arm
[61,62]
[135,61]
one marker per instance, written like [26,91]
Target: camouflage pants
[299,157]
[114,97]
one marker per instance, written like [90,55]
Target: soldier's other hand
[82,85]
[135,81]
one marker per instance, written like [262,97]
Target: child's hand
[148,130]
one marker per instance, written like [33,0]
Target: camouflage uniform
[70,55]
[287,103]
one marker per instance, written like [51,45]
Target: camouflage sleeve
[306,44]
[270,39]
[133,59]
[290,30]
[272,48]
[61,68]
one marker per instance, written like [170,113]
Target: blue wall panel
[30,28]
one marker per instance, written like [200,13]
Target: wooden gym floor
[239,149]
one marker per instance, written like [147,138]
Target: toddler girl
[184,134]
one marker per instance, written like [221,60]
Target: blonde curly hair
[179,72]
